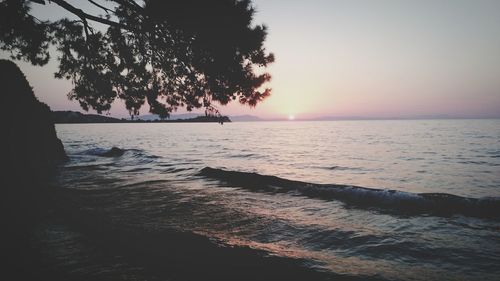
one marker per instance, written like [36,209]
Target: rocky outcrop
[31,147]
[113,152]
[30,154]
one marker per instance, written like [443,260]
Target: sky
[371,58]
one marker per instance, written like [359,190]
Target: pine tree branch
[84,16]
[107,10]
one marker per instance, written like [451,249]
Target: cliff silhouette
[32,146]
[31,153]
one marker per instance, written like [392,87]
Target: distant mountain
[62,117]
[407,117]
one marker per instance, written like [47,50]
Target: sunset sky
[383,58]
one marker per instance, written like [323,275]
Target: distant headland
[73,117]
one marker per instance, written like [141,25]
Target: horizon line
[326,117]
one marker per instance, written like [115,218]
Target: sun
[291,117]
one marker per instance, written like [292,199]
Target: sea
[315,200]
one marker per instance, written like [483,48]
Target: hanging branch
[82,15]
[102,7]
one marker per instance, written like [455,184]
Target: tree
[169,54]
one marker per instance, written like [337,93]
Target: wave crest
[405,203]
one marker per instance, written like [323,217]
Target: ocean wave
[244,155]
[337,168]
[173,253]
[139,169]
[92,167]
[175,170]
[404,203]
[117,152]
[103,152]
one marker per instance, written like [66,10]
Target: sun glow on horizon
[374,59]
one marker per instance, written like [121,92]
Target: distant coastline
[73,117]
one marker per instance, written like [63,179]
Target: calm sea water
[431,211]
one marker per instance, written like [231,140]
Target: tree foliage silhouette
[167,53]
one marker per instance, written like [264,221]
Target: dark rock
[31,152]
[113,152]
[31,147]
